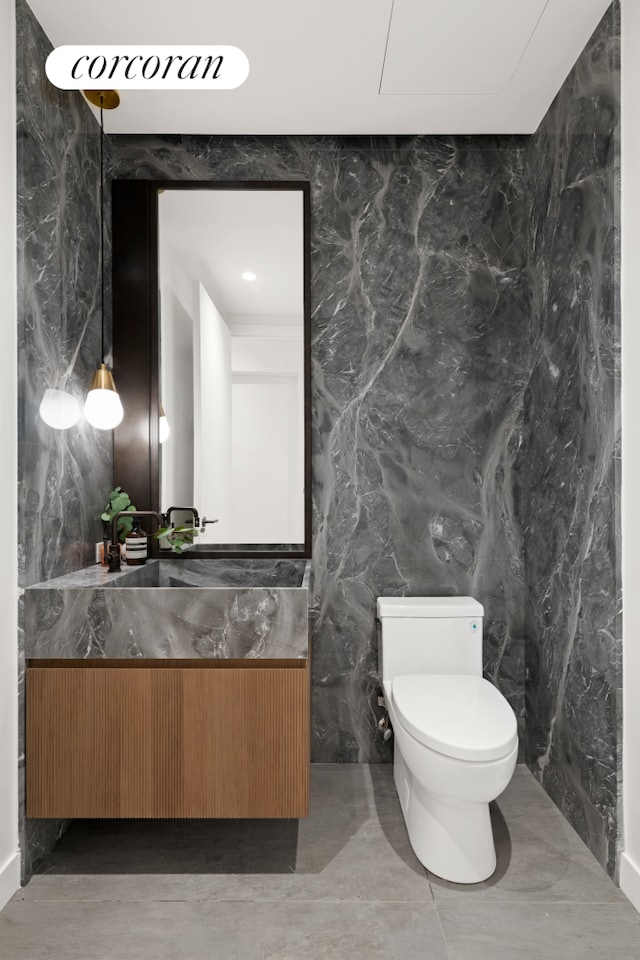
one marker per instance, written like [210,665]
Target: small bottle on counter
[136,546]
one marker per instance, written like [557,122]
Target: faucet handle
[204,522]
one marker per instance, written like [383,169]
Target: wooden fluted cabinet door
[158,739]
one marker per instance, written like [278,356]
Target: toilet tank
[430,635]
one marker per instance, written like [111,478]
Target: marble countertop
[281,573]
[188,609]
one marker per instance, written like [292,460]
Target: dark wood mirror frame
[136,357]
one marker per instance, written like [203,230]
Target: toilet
[455,735]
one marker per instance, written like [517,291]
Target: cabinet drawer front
[171,742]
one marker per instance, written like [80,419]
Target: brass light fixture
[104,99]
[103,408]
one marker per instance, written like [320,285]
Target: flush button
[475,626]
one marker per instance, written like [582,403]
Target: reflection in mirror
[231,286]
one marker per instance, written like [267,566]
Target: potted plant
[179,538]
[118,501]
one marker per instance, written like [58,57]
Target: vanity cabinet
[167,738]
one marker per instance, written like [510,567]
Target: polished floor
[340,885]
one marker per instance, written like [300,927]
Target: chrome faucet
[114,552]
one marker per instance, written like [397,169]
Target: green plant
[180,538]
[119,501]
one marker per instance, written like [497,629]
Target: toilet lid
[460,716]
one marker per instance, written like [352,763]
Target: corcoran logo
[147,67]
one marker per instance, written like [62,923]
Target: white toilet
[456,739]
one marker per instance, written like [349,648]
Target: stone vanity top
[172,609]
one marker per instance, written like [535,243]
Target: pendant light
[59,409]
[163,426]
[103,408]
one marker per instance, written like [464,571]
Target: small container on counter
[136,546]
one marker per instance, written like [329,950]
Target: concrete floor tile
[523,792]
[358,879]
[216,931]
[352,847]
[541,931]
[539,857]
[343,883]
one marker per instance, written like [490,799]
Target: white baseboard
[630,880]
[9,879]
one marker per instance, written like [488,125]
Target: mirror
[232,361]
[225,356]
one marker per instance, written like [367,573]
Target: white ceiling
[346,66]
[217,235]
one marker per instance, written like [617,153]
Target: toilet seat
[464,717]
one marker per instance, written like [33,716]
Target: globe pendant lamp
[59,409]
[103,408]
[163,426]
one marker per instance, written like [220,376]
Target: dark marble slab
[210,609]
[64,476]
[569,463]
[418,379]
[418,312]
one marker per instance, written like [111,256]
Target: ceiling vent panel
[457,47]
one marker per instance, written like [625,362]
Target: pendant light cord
[102,226]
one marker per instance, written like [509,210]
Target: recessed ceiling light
[248,275]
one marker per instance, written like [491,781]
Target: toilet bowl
[455,734]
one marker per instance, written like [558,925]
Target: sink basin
[186,609]
[214,573]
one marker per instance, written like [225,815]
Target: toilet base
[453,840]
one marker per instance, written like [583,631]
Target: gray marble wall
[419,308]
[569,464]
[418,371]
[64,476]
